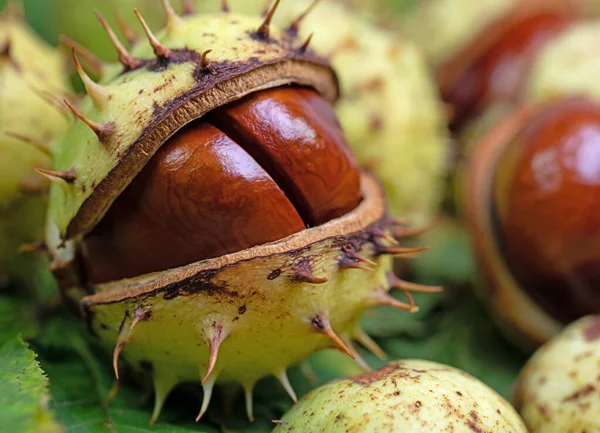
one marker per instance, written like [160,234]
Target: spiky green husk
[389,107]
[404,396]
[260,309]
[568,65]
[28,69]
[558,388]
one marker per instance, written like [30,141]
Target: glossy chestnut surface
[252,172]
[498,73]
[546,204]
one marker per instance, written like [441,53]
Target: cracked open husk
[237,317]
[32,81]
[404,396]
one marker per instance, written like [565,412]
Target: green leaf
[24,397]
[81,379]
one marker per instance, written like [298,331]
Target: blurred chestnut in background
[494,65]
[532,201]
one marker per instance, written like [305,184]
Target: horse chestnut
[206,213]
[533,201]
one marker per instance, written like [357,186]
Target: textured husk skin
[28,68]
[389,107]
[557,391]
[253,298]
[405,396]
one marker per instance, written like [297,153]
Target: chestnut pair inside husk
[206,213]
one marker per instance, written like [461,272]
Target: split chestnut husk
[206,213]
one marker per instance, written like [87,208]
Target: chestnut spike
[263,30]
[248,397]
[207,387]
[304,46]
[33,247]
[127,60]
[186,7]
[350,253]
[305,276]
[114,390]
[93,61]
[400,284]
[38,144]
[411,232]
[382,297]
[214,342]
[395,222]
[355,355]
[103,131]
[321,325]
[129,35]
[163,385]
[225,6]
[348,264]
[160,50]
[383,235]
[400,251]
[285,382]
[139,316]
[116,353]
[173,20]
[205,62]
[367,342]
[295,26]
[52,100]
[67,176]
[94,90]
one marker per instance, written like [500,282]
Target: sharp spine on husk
[127,60]
[160,50]
[264,30]
[320,324]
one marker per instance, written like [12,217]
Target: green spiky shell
[389,107]
[405,396]
[262,308]
[567,65]
[557,391]
[28,67]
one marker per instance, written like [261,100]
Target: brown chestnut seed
[532,201]
[253,172]
[498,73]
[547,206]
